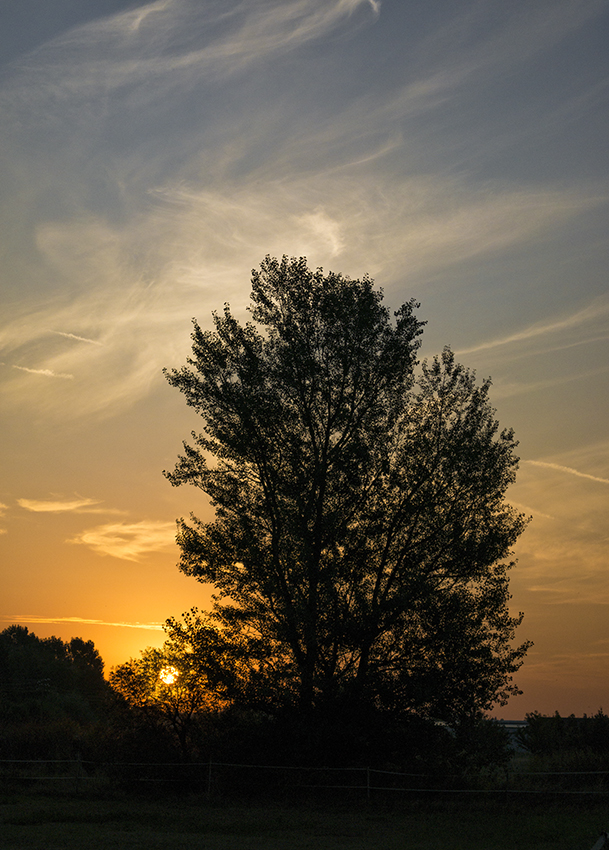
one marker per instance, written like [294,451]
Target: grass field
[63,821]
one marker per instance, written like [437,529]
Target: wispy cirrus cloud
[198,241]
[563,556]
[172,43]
[529,511]
[511,40]
[128,541]
[505,388]
[321,191]
[581,665]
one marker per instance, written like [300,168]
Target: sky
[152,153]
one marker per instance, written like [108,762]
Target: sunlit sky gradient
[153,153]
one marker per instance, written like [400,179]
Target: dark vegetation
[163,801]
[55,705]
[127,780]
[551,735]
[52,695]
[572,751]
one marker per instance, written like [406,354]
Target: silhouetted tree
[196,673]
[360,525]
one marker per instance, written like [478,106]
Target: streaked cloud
[22,618]
[528,510]
[57,506]
[198,242]
[128,541]
[527,31]
[580,666]
[78,338]
[328,188]
[505,388]
[568,470]
[599,309]
[48,373]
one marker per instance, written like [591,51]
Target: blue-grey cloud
[170,43]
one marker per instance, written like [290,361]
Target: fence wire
[224,778]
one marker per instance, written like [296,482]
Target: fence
[227,779]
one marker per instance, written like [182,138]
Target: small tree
[195,674]
[360,517]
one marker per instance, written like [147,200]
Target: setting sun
[169,675]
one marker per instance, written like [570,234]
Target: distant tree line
[51,694]
[546,735]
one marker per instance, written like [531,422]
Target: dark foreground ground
[59,820]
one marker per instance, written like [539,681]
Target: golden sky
[153,153]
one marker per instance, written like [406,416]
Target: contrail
[589,313]
[78,338]
[568,469]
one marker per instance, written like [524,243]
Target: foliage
[360,525]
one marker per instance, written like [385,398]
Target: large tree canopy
[361,525]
